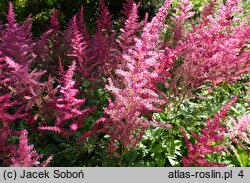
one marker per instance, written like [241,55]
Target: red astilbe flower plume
[128,34]
[137,96]
[67,106]
[6,119]
[16,41]
[104,19]
[54,22]
[52,45]
[127,7]
[80,49]
[17,48]
[212,135]
[89,53]
[215,50]
[24,85]
[104,40]
[25,156]
[82,26]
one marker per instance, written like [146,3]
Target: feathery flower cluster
[104,39]
[25,156]
[128,34]
[239,132]
[137,97]
[17,48]
[127,8]
[182,13]
[208,143]
[67,107]
[22,81]
[134,60]
[214,50]
[79,46]
[16,40]
[6,119]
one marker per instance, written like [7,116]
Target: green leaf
[130,157]
[172,160]
[172,147]
[157,148]
[244,158]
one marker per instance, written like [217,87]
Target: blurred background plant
[41,10]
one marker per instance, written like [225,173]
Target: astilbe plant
[57,41]
[53,44]
[16,40]
[24,155]
[210,141]
[137,97]
[179,19]
[67,106]
[104,40]
[17,49]
[126,40]
[214,51]
[23,83]
[127,7]
[239,132]
[6,119]
[80,48]
[135,61]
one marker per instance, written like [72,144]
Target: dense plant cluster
[126,92]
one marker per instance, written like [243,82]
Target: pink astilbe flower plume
[80,50]
[137,97]
[183,12]
[128,34]
[239,132]
[17,48]
[25,156]
[215,50]
[67,106]
[23,77]
[208,142]
[25,85]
